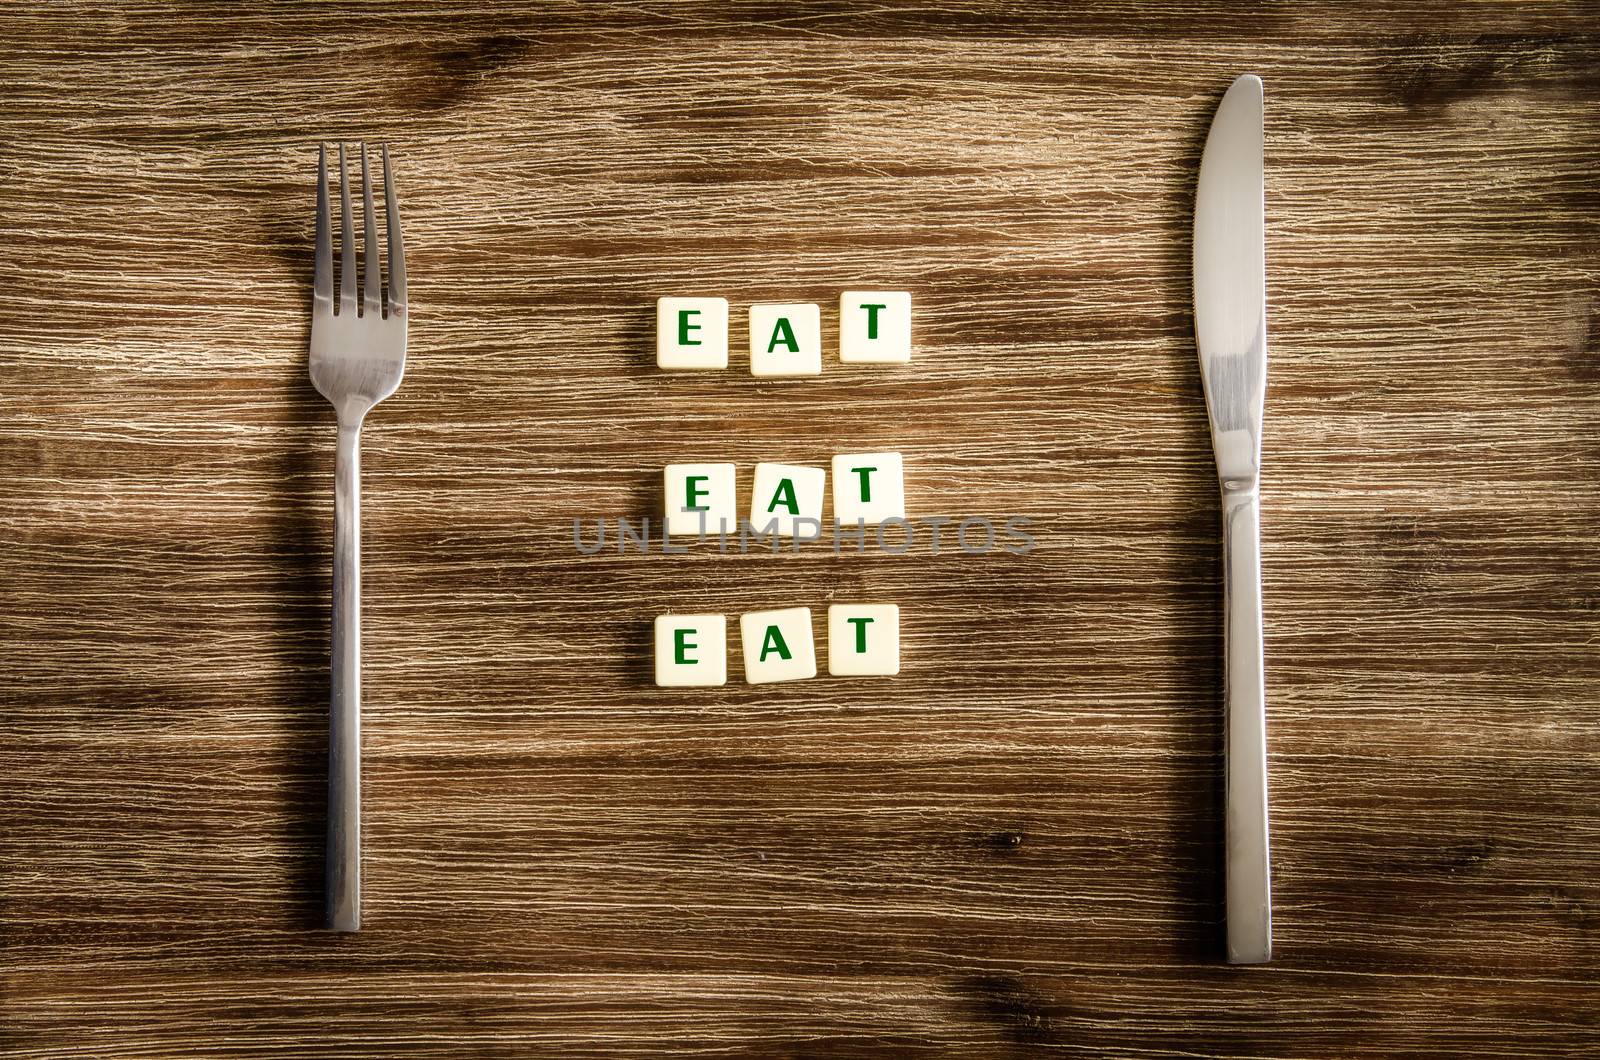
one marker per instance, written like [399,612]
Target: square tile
[864,640]
[778,645]
[868,488]
[691,333]
[875,327]
[785,340]
[783,495]
[700,498]
[691,650]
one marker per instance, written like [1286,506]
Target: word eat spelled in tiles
[863,640]
[785,339]
[701,499]
[868,489]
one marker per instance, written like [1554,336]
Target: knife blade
[1231,332]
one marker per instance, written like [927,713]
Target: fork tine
[347,248]
[323,284]
[397,243]
[371,281]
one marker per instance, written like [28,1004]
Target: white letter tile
[778,645]
[875,327]
[785,340]
[868,488]
[863,640]
[691,650]
[691,333]
[700,498]
[783,494]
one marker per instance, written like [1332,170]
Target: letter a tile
[777,645]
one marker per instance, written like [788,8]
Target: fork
[358,354]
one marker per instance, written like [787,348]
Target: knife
[1230,323]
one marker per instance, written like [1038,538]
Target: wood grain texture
[1011,847]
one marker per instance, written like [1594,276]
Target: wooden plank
[1011,846]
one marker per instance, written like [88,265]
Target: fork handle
[344,708]
[1249,890]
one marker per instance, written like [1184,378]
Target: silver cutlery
[358,352]
[1230,321]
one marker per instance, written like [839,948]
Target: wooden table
[1013,845]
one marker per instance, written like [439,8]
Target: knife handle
[1249,888]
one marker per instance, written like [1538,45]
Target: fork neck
[351,417]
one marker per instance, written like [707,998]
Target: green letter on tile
[694,493]
[684,327]
[866,485]
[773,642]
[681,645]
[872,318]
[783,332]
[784,495]
[861,633]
